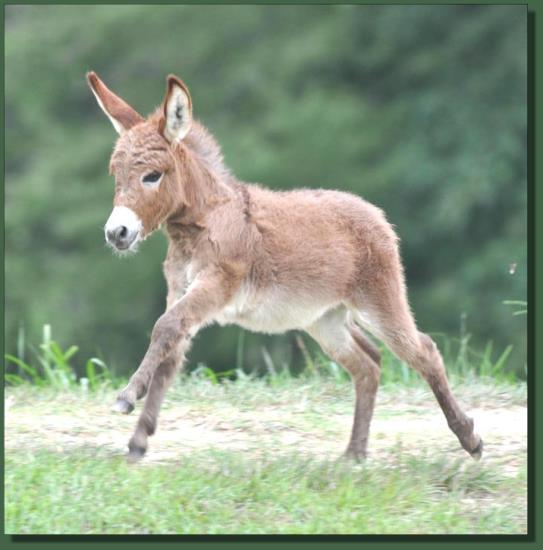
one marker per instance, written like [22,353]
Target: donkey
[322,261]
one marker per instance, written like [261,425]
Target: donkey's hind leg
[346,344]
[147,421]
[391,321]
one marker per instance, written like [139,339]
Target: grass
[220,492]
[51,366]
[65,472]
[71,477]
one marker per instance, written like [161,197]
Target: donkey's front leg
[208,294]
[164,338]
[170,331]
[147,422]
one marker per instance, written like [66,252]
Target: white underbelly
[272,311]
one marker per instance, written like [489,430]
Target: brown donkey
[325,262]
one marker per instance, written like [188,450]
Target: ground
[310,419]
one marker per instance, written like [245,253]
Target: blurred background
[418,109]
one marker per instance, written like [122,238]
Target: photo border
[534,226]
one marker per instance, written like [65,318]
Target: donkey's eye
[152,177]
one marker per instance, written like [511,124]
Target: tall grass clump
[51,366]
[463,362]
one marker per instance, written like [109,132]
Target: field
[260,456]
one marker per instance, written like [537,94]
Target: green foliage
[54,368]
[220,492]
[274,467]
[420,109]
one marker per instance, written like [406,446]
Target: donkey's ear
[177,108]
[122,116]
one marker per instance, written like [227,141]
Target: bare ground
[299,423]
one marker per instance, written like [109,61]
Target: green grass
[63,477]
[219,492]
[51,366]
[48,365]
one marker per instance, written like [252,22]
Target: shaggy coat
[325,262]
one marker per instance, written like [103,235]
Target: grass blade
[31,371]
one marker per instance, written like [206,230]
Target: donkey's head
[146,162]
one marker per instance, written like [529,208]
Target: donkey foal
[325,262]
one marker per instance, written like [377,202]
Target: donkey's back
[321,247]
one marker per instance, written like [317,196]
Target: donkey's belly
[272,312]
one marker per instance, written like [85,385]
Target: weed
[54,366]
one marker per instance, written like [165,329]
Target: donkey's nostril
[117,235]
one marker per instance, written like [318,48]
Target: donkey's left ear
[177,110]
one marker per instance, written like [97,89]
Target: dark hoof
[135,452]
[477,453]
[122,406]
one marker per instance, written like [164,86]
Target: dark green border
[534,381]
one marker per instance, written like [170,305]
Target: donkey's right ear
[122,116]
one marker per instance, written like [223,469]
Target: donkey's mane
[202,143]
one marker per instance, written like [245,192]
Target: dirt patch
[309,429]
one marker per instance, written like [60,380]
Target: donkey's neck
[207,182]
